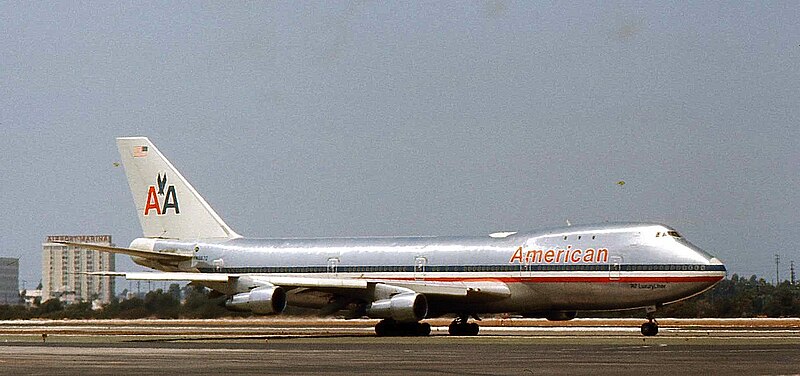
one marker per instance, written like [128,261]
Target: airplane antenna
[568,224]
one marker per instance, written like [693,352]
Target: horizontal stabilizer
[154,255]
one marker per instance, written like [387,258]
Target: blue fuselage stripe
[464,268]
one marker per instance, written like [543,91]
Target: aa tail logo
[170,198]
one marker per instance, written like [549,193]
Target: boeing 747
[551,273]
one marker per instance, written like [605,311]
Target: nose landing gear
[650,328]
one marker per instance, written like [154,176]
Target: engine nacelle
[261,300]
[405,307]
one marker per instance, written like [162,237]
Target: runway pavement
[332,347]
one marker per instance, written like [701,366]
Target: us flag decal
[139,151]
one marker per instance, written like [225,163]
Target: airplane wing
[483,289]
[166,276]
[155,255]
[224,277]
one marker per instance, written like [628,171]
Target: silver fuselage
[575,268]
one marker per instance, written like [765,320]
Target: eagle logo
[162,183]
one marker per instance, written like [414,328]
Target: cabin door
[419,267]
[333,265]
[614,268]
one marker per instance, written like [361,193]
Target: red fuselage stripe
[572,279]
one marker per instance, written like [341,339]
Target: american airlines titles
[568,255]
[170,199]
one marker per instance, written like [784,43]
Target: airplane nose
[712,261]
[718,263]
[702,254]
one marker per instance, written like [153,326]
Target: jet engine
[261,300]
[405,307]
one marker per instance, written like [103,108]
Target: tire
[455,329]
[382,329]
[473,329]
[423,329]
[465,329]
[649,329]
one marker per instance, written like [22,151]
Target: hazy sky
[367,118]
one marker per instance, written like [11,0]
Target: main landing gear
[460,327]
[391,328]
[650,328]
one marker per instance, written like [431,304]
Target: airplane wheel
[649,329]
[456,329]
[390,328]
[473,329]
[423,329]
[382,328]
[464,329]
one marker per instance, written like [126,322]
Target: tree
[201,306]
[161,305]
[52,308]
[175,291]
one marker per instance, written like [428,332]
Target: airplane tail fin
[167,205]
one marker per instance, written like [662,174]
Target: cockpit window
[673,234]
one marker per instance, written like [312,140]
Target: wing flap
[478,289]
[168,276]
[224,277]
[154,255]
[328,283]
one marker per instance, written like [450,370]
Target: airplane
[403,280]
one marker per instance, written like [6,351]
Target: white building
[64,269]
